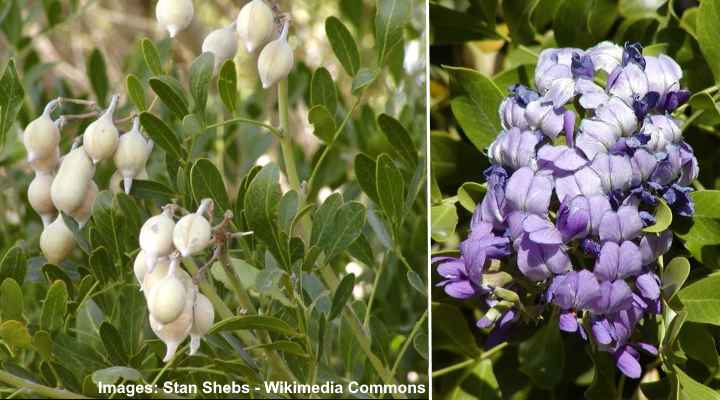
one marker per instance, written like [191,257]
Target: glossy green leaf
[542,357]
[54,307]
[207,182]
[583,23]
[97,74]
[162,135]
[390,20]
[708,34]
[421,344]
[136,92]
[343,45]
[323,123]
[364,78]
[476,108]
[227,85]
[11,99]
[261,201]
[400,138]
[347,226]
[470,195]
[449,26]
[698,343]
[342,294]
[674,275]
[444,219]
[11,300]
[114,374]
[285,346]
[15,333]
[152,57]
[201,73]
[693,389]
[702,300]
[365,174]
[151,190]
[323,91]
[416,281]
[390,188]
[451,331]
[113,343]
[170,92]
[518,14]
[253,322]
[42,342]
[663,218]
[702,232]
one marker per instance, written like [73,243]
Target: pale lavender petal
[568,322]
[588,290]
[560,92]
[540,230]
[643,164]
[529,191]
[601,332]
[460,290]
[627,363]
[653,246]
[591,95]
[617,113]
[606,56]
[584,181]
[615,171]
[560,158]
[648,285]
[629,82]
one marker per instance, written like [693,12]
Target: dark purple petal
[633,54]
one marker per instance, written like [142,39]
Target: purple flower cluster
[576,174]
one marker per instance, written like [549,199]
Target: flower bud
[56,241]
[275,61]
[222,43]
[39,196]
[166,300]
[82,213]
[132,154]
[192,233]
[255,25]
[47,164]
[174,15]
[203,318]
[72,180]
[156,236]
[42,136]
[101,137]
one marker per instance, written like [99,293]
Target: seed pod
[149,279]
[82,213]
[132,154]
[222,43]
[255,25]
[174,15]
[57,241]
[39,196]
[42,136]
[166,300]
[156,236]
[116,181]
[192,233]
[71,181]
[203,318]
[101,137]
[174,333]
[276,60]
[47,164]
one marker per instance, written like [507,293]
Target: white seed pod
[174,15]
[174,333]
[167,298]
[203,318]
[82,213]
[132,153]
[256,25]
[42,136]
[39,196]
[48,164]
[192,234]
[116,181]
[101,137]
[156,236]
[57,241]
[140,268]
[71,181]
[148,279]
[222,43]
[275,61]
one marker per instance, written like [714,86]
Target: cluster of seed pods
[65,184]
[177,310]
[256,25]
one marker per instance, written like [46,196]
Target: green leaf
[702,300]
[324,218]
[97,74]
[444,219]
[206,181]
[323,91]
[390,188]
[708,34]
[518,14]
[152,57]
[364,78]
[416,281]
[361,250]
[15,333]
[476,108]
[365,174]
[323,123]
[702,231]
[201,73]
[673,330]
[11,99]
[136,93]
[151,190]
[583,23]
[102,266]
[673,276]
[171,93]
[227,85]
[245,322]
[453,27]
[113,343]
[640,8]
[112,375]
[706,103]
[346,228]
[343,44]
[451,331]
[284,346]
[542,357]
[11,300]
[13,265]
[470,195]
[162,135]
[261,201]
[42,341]
[54,307]
[390,20]
[400,138]
[603,384]
[342,294]
[663,218]
[693,389]
[288,209]
[698,343]
[421,344]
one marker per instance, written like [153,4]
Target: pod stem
[113,105]
[51,106]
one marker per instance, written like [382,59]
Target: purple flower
[643,164]
[480,245]
[628,82]
[457,282]
[540,261]
[621,225]
[582,66]
[648,284]
[553,65]
[626,359]
[502,328]
[541,231]
[583,182]
[663,74]
[618,261]
[615,171]
[606,56]
[529,191]
[560,158]
[633,54]
[543,116]
[514,148]
[662,131]
[614,296]
[653,245]
[618,115]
